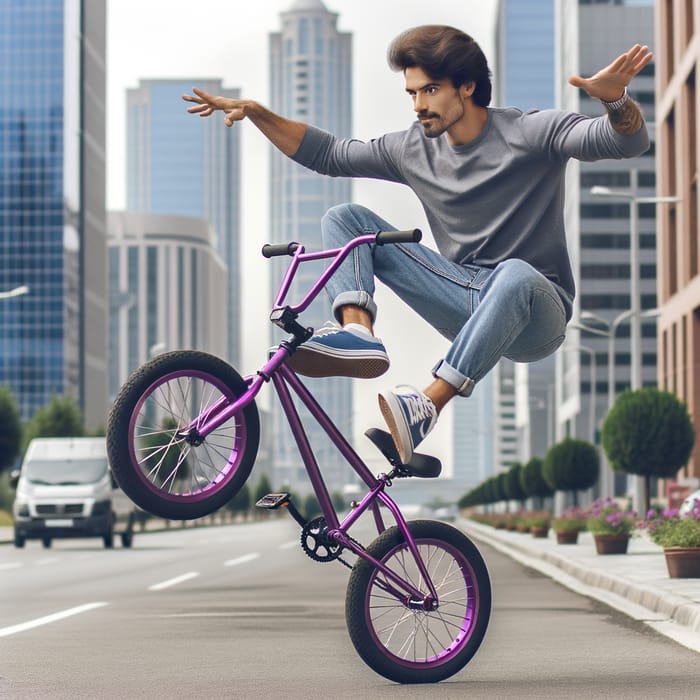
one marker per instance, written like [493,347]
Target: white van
[65,489]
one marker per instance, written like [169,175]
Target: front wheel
[155,460]
[407,645]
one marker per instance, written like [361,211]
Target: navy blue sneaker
[340,352]
[409,416]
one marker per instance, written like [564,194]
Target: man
[491,182]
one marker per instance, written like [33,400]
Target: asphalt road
[240,612]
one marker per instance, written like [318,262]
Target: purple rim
[466,628]
[225,474]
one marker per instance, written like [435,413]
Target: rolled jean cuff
[361,299]
[463,385]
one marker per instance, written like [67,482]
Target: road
[240,612]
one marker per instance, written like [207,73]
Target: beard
[439,124]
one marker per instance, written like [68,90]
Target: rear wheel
[163,470]
[410,645]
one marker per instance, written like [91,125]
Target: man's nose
[418,104]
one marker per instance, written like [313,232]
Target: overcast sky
[228,39]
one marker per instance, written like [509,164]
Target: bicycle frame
[285,381]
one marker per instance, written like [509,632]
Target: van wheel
[19,541]
[127,538]
[46,542]
[108,539]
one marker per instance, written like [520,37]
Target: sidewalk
[636,583]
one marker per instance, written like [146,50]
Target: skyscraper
[178,165]
[310,76]
[53,340]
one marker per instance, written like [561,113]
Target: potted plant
[539,523]
[611,526]
[567,525]
[680,538]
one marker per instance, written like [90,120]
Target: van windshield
[65,472]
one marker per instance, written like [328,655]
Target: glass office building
[181,166]
[52,203]
[311,80]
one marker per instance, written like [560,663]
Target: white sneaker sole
[389,406]
[315,361]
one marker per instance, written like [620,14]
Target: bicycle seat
[422,466]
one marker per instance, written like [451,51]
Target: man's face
[436,102]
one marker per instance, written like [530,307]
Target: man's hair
[443,52]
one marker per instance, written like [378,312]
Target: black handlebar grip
[412,236]
[271,250]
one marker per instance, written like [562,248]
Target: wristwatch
[617,104]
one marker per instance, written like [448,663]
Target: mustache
[428,115]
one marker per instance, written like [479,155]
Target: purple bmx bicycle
[182,438]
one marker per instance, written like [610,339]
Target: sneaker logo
[420,414]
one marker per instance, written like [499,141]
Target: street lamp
[607,486]
[16,292]
[635,303]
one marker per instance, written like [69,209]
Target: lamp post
[635,302]
[607,484]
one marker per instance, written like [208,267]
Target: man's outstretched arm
[610,86]
[283,133]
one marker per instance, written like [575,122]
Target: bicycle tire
[416,646]
[158,469]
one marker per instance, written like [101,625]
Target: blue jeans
[509,311]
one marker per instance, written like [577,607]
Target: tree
[242,501]
[648,432]
[61,417]
[312,508]
[514,491]
[10,429]
[571,465]
[532,481]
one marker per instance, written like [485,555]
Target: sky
[228,39]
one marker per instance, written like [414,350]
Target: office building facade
[311,80]
[53,339]
[181,166]
[677,59]
[166,281]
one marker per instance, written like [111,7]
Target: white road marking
[47,619]
[11,565]
[289,545]
[242,560]
[173,581]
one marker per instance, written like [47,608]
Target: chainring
[316,543]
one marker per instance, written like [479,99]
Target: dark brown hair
[443,52]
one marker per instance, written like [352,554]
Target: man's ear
[467,90]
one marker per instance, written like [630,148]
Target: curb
[659,603]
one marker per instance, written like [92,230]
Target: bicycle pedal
[273,501]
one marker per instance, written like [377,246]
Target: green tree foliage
[242,501]
[10,429]
[571,465]
[532,481]
[513,490]
[262,488]
[166,458]
[648,432]
[61,417]
[312,508]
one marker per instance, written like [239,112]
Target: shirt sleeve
[569,135]
[326,154]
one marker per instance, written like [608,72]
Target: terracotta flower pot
[567,536]
[539,531]
[683,562]
[611,544]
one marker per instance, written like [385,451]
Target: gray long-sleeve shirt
[500,196]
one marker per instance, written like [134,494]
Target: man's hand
[206,105]
[609,83]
